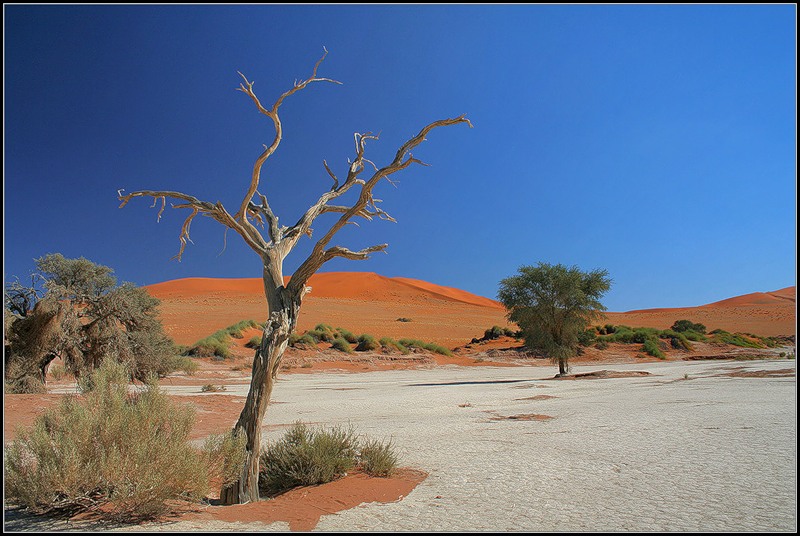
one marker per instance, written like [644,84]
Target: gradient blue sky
[655,141]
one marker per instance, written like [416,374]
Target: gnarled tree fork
[284,301]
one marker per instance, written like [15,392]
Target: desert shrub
[494,332]
[236,329]
[735,339]
[650,347]
[124,455]
[302,341]
[307,456]
[676,339]
[211,388]
[404,319]
[377,458]
[255,341]
[342,345]
[367,343]
[430,346]
[347,335]
[210,347]
[322,333]
[601,344]
[218,343]
[694,336]
[185,364]
[687,325]
[587,337]
[20,380]
[391,344]
[508,332]
[225,455]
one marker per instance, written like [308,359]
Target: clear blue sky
[655,141]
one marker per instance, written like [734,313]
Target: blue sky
[655,141]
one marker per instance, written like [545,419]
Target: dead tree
[284,301]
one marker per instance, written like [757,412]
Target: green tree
[83,317]
[553,305]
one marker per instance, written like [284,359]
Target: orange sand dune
[362,302]
[365,302]
[762,313]
[778,297]
[344,285]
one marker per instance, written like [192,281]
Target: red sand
[303,507]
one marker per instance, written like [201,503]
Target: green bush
[367,343]
[390,344]
[236,329]
[225,455]
[347,335]
[601,344]
[322,333]
[126,456]
[736,339]
[342,345]
[687,325]
[430,346]
[186,364]
[305,457]
[494,332]
[404,319]
[255,342]
[650,347]
[377,458]
[587,337]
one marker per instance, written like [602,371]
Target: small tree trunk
[265,370]
[562,367]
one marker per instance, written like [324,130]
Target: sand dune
[342,285]
[778,297]
[365,302]
[762,313]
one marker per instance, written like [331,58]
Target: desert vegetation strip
[680,336]
[346,342]
[218,343]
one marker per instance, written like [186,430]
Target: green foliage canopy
[553,305]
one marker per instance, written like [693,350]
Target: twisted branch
[365,206]
[215,211]
[247,88]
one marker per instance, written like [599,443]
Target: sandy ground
[693,446]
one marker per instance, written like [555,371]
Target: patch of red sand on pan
[303,507]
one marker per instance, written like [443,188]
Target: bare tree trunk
[284,309]
[284,300]
[563,368]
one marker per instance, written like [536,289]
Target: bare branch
[333,176]
[338,251]
[364,207]
[216,211]
[272,113]
[184,236]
